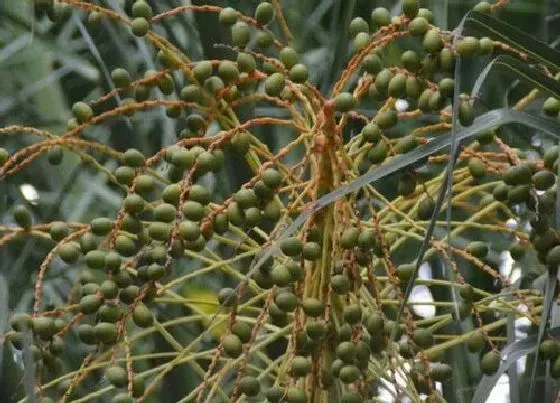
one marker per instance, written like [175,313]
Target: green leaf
[499,30]
[517,69]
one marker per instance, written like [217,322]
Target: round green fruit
[490,363]
[344,102]
[313,307]
[468,46]
[140,26]
[228,16]
[264,13]
[232,345]
[381,17]
[240,34]
[433,41]
[117,376]
[424,338]
[142,316]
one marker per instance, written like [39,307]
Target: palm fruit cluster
[324,305]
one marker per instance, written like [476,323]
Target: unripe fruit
[447,60]
[274,394]
[286,301]
[351,396]
[313,307]
[315,330]
[4,156]
[140,26]
[133,158]
[349,374]
[106,332]
[89,304]
[21,322]
[43,326]
[227,297]
[386,118]
[142,316]
[361,41]
[486,46]
[311,251]
[352,314]
[426,208]
[202,70]
[551,106]
[553,257]
[418,26]
[446,87]
[468,46]
[58,230]
[517,251]
[82,112]
[228,72]
[549,349]
[477,167]
[299,73]
[433,42]
[117,376]
[264,39]
[264,13]
[372,63]
[69,252]
[346,351]
[232,345]
[86,334]
[291,246]
[228,16]
[406,144]
[475,342]
[466,113]
[410,60]
[109,312]
[274,84]
[344,102]
[120,77]
[358,25]
[378,153]
[410,8]
[300,366]
[125,245]
[249,385]
[543,180]
[381,17]
[54,155]
[142,9]
[490,363]
[397,86]
[280,275]
[214,85]
[240,34]
[122,397]
[295,395]
[200,194]
[440,372]
[371,133]
[382,81]
[424,338]
[144,184]
[483,7]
